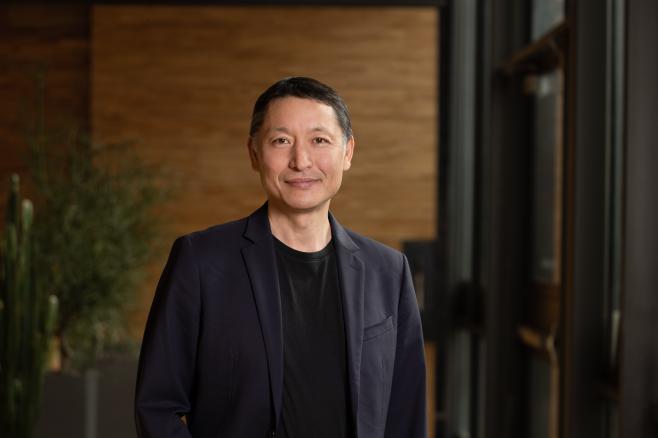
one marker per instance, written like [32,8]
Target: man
[285,323]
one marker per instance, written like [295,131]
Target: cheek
[273,165]
[332,166]
[271,176]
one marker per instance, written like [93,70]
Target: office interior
[507,147]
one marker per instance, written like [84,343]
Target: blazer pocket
[378,329]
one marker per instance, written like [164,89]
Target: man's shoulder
[234,228]
[216,239]
[374,251]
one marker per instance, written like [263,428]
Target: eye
[320,140]
[280,140]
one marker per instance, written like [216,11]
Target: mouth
[301,183]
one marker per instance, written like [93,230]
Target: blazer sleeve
[407,417]
[165,373]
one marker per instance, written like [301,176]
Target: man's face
[300,153]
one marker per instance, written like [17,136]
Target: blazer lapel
[351,273]
[261,267]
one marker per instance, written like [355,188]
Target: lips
[301,183]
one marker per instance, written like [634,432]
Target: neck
[306,231]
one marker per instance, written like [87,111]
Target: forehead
[299,112]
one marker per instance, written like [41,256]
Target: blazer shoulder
[217,239]
[220,231]
[375,252]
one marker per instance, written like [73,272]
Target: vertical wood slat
[54,41]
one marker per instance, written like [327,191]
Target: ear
[253,156]
[349,152]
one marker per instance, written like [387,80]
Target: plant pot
[97,404]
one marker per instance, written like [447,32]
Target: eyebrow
[318,128]
[321,129]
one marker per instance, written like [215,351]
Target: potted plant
[96,232]
[27,319]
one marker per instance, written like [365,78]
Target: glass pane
[545,15]
[615,115]
[539,396]
[614,203]
[547,179]
[612,420]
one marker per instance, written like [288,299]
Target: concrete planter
[98,404]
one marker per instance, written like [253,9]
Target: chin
[304,204]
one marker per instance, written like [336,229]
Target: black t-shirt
[315,386]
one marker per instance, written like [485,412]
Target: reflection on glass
[612,420]
[539,388]
[545,15]
[614,203]
[547,179]
[615,155]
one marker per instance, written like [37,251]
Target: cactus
[27,320]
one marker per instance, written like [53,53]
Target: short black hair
[305,88]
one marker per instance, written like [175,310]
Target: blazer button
[273,433]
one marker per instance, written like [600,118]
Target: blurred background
[506,146]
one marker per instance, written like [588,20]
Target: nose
[300,157]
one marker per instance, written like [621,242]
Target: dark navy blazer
[213,349]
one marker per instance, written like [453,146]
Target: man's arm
[407,416]
[167,359]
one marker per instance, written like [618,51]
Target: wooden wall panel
[182,80]
[52,40]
